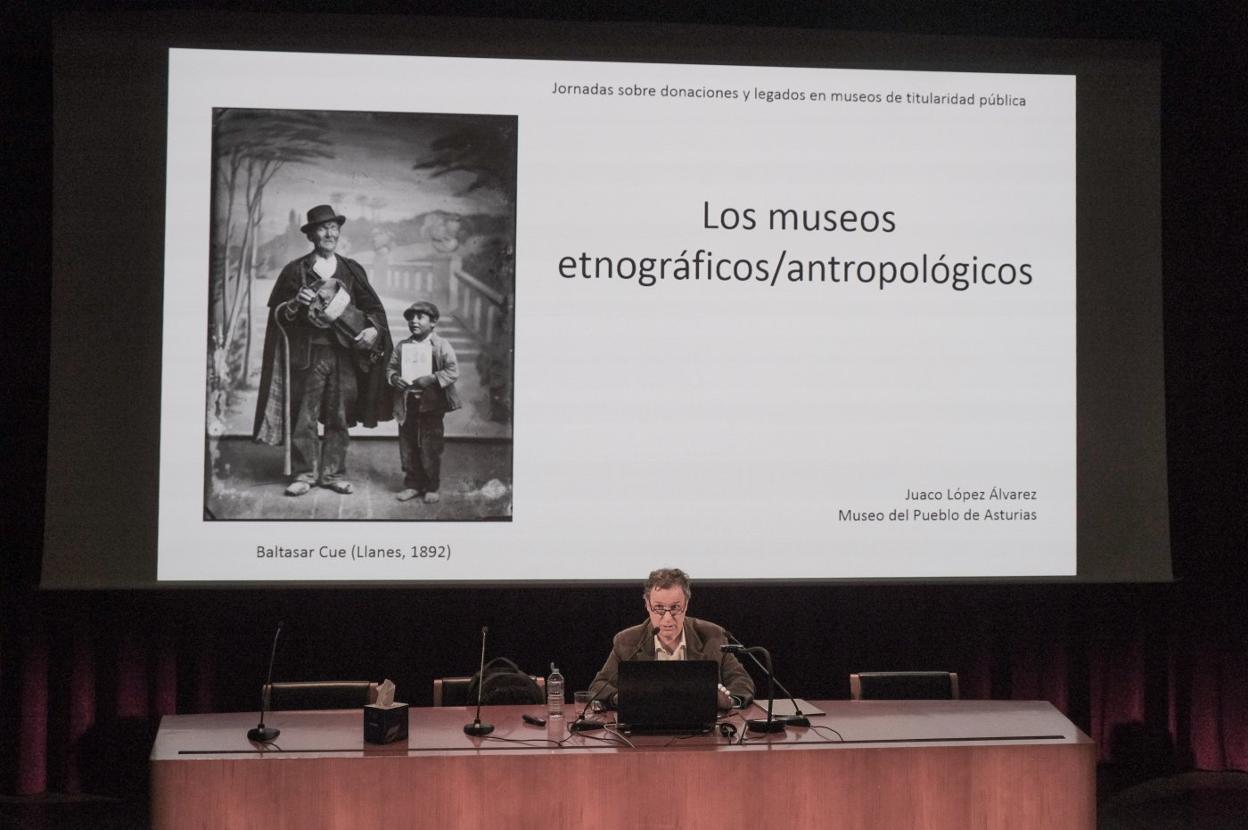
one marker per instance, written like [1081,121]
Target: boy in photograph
[423,369]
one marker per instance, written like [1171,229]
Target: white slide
[770,323]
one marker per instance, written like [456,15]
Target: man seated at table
[669,634]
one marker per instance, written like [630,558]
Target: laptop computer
[670,697]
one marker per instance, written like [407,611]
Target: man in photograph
[334,330]
[670,634]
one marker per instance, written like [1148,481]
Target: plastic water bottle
[554,693]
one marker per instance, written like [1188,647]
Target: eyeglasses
[674,610]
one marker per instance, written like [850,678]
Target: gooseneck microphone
[261,733]
[477,728]
[737,647]
[768,724]
[649,634]
[582,724]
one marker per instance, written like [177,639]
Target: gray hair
[666,578]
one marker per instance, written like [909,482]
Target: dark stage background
[1157,674]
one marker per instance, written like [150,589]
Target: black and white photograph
[360,325]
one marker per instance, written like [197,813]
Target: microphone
[770,723]
[650,634]
[477,728]
[261,733]
[581,724]
[736,647]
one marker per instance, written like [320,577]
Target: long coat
[374,402]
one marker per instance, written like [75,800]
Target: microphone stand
[768,724]
[477,729]
[261,733]
[797,718]
[582,724]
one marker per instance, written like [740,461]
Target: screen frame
[1123,371]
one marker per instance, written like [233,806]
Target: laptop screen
[672,696]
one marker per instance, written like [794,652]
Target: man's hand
[305,296]
[366,338]
[425,381]
[725,700]
[399,383]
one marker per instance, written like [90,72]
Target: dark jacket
[443,396]
[702,642]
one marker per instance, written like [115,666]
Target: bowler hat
[427,307]
[321,214]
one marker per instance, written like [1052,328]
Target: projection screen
[850,320]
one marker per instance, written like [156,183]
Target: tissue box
[385,724]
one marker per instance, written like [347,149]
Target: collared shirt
[680,652]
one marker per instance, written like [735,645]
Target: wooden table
[888,764]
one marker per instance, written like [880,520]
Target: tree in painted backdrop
[250,147]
